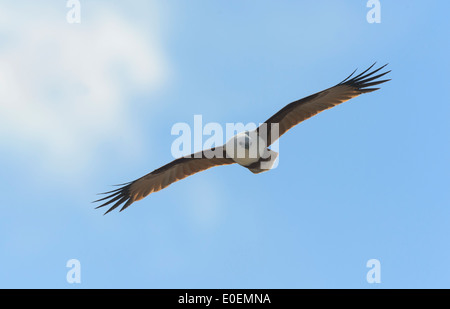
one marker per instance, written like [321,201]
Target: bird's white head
[245,148]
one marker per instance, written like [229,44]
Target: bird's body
[249,149]
[245,148]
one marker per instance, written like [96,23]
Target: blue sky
[84,106]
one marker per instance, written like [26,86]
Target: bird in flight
[248,149]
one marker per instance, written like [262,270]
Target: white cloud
[64,88]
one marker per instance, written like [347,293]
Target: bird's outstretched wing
[162,177]
[298,111]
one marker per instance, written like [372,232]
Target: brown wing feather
[161,178]
[298,111]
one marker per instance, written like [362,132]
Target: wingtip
[108,211]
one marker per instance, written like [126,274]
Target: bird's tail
[267,162]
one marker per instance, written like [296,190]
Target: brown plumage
[161,178]
[298,111]
[286,118]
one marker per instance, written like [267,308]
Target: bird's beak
[247,143]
